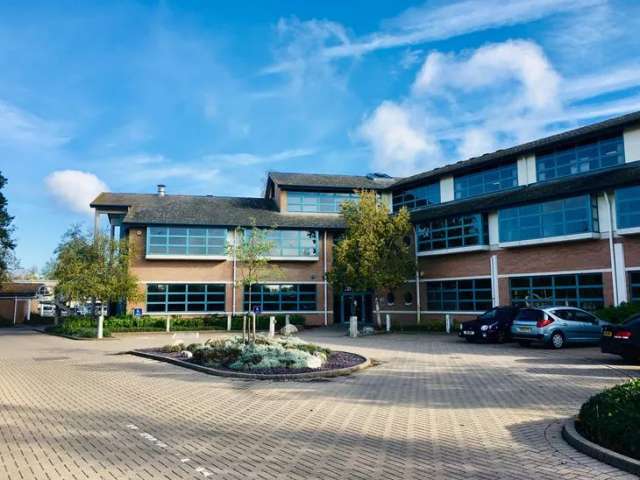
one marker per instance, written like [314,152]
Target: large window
[628,207]
[568,216]
[417,197]
[190,297]
[459,295]
[281,298]
[487,181]
[293,243]
[603,153]
[582,290]
[452,232]
[318,202]
[186,241]
[634,282]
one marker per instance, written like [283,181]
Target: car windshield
[489,314]
[530,314]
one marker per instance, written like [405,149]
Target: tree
[6,241]
[251,249]
[373,254]
[93,268]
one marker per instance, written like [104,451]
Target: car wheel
[524,343]
[557,340]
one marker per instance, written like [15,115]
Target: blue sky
[206,97]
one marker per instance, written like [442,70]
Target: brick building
[556,220]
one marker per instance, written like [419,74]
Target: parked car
[556,326]
[623,340]
[493,325]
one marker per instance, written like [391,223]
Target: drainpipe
[324,276]
[415,249]
[614,273]
[233,291]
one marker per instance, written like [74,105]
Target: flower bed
[612,419]
[266,356]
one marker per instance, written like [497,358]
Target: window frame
[559,283]
[453,289]
[172,240]
[278,239]
[317,202]
[634,286]
[623,202]
[282,297]
[480,223]
[209,291]
[463,185]
[421,197]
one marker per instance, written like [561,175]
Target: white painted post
[272,326]
[168,324]
[447,319]
[253,324]
[28,310]
[286,320]
[100,325]
[353,326]
[388,322]
[15,309]
[229,322]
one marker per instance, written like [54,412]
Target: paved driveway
[436,408]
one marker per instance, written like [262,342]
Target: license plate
[469,332]
[607,333]
[524,329]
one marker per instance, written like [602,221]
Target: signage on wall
[257,309]
[137,312]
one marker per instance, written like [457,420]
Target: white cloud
[400,146]
[489,66]
[476,141]
[19,127]
[614,79]
[75,189]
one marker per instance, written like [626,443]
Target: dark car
[623,340]
[492,326]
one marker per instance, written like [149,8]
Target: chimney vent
[161,190]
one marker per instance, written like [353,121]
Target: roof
[622,175]
[19,289]
[509,154]
[209,210]
[318,181]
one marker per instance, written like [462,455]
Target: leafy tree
[251,249]
[93,269]
[372,255]
[6,242]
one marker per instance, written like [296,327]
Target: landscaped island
[264,357]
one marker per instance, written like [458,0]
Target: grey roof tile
[328,182]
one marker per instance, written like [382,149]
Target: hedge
[612,419]
[618,314]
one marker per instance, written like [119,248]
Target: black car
[492,326]
[623,340]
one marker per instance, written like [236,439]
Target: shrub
[612,419]
[83,327]
[174,347]
[618,314]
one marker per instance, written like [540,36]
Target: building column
[96,222]
[415,249]
[621,273]
[324,277]
[495,287]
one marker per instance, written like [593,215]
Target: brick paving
[435,408]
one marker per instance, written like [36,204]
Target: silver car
[556,326]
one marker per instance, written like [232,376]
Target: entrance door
[356,304]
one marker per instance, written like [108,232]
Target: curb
[366,362]
[577,441]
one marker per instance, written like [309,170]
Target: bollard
[272,326]
[168,324]
[353,326]
[286,320]
[229,322]
[447,321]
[388,322]
[100,325]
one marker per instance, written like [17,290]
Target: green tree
[93,268]
[250,250]
[373,254]
[6,241]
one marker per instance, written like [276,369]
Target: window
[473,295]
[628,207]
[391,298]
[416,198]
[452,232]
[293,243]
[181,298]
[602,153]
[408,298]
[318,202]
[634,282]
[281,298]
[487,181]
[582,290]
[549,219]
[171,241]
